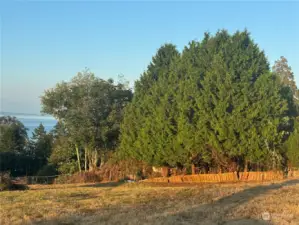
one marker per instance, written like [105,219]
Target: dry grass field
[113,203]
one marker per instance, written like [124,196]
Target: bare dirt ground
[113,203]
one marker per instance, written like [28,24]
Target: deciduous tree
[91,110]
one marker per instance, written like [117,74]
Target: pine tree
[41,145]
[143,131]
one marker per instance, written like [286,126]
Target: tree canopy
[286,75]
[216,103]
[13,135]
[90,108]
[19,154]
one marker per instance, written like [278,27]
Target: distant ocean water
[33,121]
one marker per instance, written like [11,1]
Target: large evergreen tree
[216,104]
[145,130]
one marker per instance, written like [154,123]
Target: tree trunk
[219,169]
[193,168]
[85,158]
[110,176]
[93,160]
[78,157]
[102,159]
[246,166]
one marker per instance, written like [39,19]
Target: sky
[45,42]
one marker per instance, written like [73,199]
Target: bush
[6,183]
[47,170]
[62,179]
[83,177]
[115,170]
[68,167]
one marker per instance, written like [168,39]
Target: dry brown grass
[114,203]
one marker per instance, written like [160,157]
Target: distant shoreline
[24,114]
[27,115]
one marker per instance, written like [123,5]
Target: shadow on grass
[13,187]
[99,185]
[214,213]
[67,186]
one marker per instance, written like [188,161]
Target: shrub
[68,167]
[62,179]
[47,170]
[80,177]
[85,177]
[6,183]
[125,169]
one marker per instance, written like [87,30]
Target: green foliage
[18,164]
[286,78]
[216,102]
[47,170]
[41,145]
[292,146]
[64,156]
[13,135]
[14,156]
[284,72]
[144,115]
[90,109]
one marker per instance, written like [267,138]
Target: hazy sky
[44,42]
